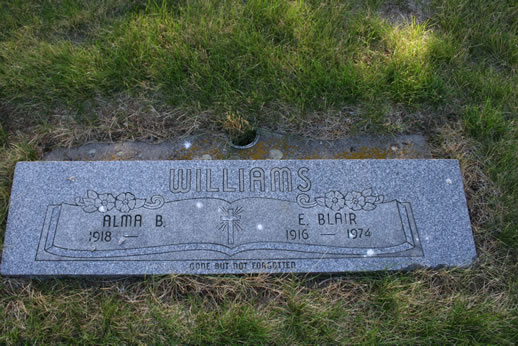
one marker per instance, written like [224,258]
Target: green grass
[223,55]
[74,71]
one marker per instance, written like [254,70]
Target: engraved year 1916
[297,234]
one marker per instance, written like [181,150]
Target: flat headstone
[158,217]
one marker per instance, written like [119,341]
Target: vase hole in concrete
[245,140]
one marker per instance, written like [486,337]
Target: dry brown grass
[140,118]
[481,192]
[342,306]
[109,120]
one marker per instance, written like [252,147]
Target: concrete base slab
[269,146]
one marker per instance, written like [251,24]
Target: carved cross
[230,218]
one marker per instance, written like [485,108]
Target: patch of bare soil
[404,11]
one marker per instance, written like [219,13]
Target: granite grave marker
[159,217]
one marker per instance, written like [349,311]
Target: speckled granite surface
[239,216]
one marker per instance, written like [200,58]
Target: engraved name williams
[255,179]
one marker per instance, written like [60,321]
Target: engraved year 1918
[103,236]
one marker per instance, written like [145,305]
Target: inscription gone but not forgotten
[151,217]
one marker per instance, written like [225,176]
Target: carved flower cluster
[105,202]
[354,200]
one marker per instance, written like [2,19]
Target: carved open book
[104,226]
